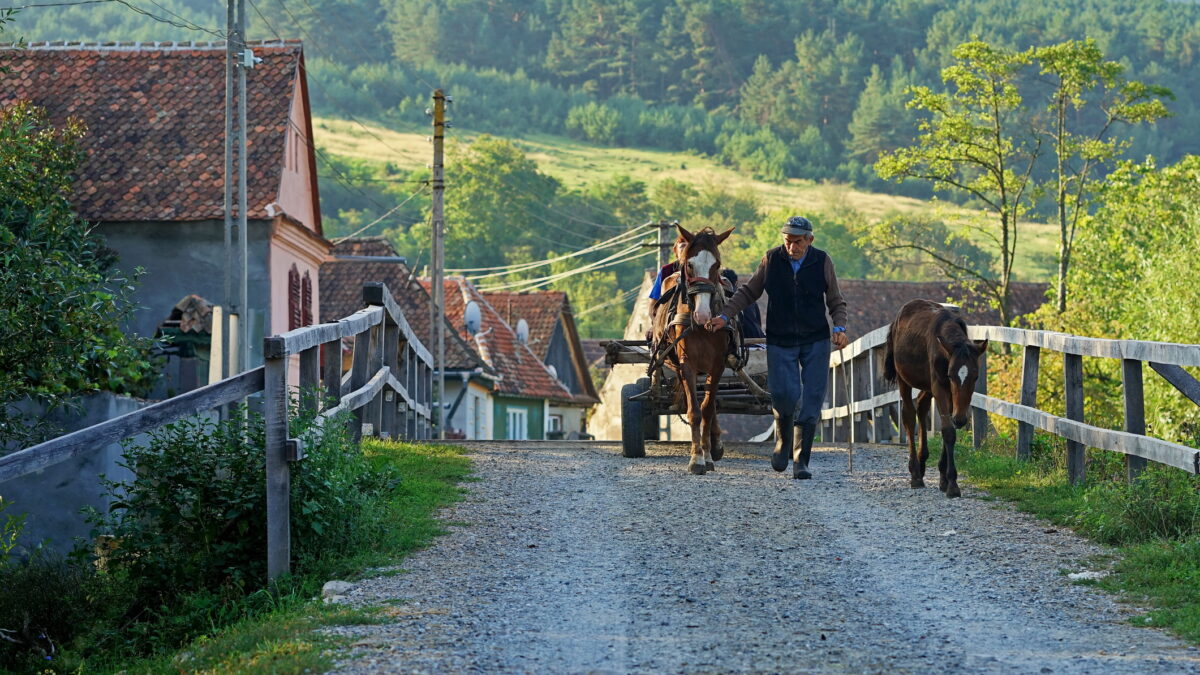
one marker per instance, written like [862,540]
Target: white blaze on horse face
[962,375]
[702,264]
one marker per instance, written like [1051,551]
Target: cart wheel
[633,419]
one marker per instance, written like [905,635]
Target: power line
[187,23]
[622,298]
[614,259]
[373,222]
[501,270]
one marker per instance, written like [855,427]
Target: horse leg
[948,474]
[687,378]
[908,416]
[923,402]
[708,418]
[716,447]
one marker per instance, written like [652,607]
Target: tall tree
[975,143]
[1083,82]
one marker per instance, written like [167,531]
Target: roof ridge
[149,45]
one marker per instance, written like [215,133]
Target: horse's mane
[705,239]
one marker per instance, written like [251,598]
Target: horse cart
[742,390]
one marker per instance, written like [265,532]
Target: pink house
[153,177]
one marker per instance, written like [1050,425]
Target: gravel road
[568,558]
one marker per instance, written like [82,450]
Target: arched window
[295,315]
[306,310]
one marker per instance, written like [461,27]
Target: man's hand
[715,324]
[840,339]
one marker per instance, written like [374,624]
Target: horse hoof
[710,466]
[917,483]
[943,485]
[718,451]
[953,491]
[779,461]
[697,469]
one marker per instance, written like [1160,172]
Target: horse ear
[981,345]
[943,347]
[688,236]
[723,236]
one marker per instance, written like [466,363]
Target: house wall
[558,354]
[188,257]
[572,417]
[477,412]
[296,181]
[535,423]
[51,499]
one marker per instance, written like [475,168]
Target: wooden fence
[861,407]
[389,392]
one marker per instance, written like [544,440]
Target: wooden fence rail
[390,395]
[861,407]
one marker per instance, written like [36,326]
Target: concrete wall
[53,497]
[572,417]
[188,257]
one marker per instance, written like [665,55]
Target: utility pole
[438,265]
[227,295]
[243,324]
[663,242]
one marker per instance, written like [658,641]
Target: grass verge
[1153,523]
[276,630]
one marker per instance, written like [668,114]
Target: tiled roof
[155,114]
[542,311]
[377,247]
[522,373]
[872,304]
[341,295]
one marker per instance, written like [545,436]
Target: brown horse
[928,349]
[697,299]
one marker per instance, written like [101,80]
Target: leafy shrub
[1162,504]
[594,122]
[192,519]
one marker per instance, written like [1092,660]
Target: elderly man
[801,285]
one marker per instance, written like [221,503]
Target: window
[518,424]
[306,312]
[555,423]
[294,313]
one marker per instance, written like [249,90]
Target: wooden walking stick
[849,414]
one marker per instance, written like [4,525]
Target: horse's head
[963,370]
[701,267]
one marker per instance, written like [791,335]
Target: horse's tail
[889,356]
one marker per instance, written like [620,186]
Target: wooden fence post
[979,416]
[359,377]
[1073,391]
[1135,412]
[1029,383]
[372,411]
[860,390]
[391,397]
[310,380]
[279,545]
[332,376]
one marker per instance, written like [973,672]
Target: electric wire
[614,259]
[373,222]
[501,270]
[187,23]
[622,298]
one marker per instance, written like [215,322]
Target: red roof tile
[156,125]
[542,311]
[342,280]
[522,373]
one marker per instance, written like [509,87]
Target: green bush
[1162,503]
[594,122]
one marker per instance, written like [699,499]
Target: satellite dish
[523,331]
[472,317]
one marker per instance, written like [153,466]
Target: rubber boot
[783,441]
[803,450]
